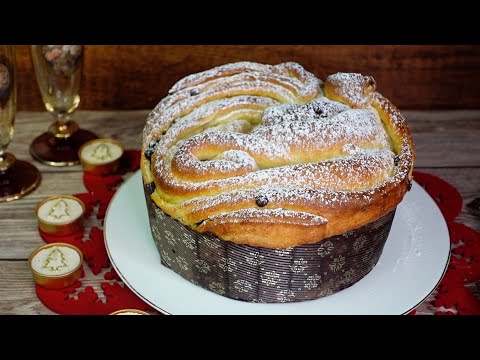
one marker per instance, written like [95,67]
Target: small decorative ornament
[129,312]
[60,215]
[101,156]
[56,265]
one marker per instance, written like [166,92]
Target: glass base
[54,151]
[21,178]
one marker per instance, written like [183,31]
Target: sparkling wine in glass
[58,70]
[17,177]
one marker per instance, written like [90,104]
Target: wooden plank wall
[138,76]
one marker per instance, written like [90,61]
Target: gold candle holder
[129,312]
[60,215]
[56,265]
[101,156]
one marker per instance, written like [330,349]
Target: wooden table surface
[447,145]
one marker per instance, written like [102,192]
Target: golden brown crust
[230,156]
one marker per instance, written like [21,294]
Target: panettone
[270,160]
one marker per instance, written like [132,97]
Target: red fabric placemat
[453,295]
[78,299]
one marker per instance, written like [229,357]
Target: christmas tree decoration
[56,265]
[113,295]
[101,156]
[60,215]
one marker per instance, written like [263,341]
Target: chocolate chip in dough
[261,200]
[194,92]
[151,148]
[148,153]
[396,160]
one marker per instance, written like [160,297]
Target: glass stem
[63,127]
[6,160]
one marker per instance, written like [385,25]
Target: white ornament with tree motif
[101,156]
[56,260]
[56,265]
[60,215]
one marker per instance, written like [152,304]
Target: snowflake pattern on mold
[182,263]
[170,237]
[159,213]
[377,224]
[367,258]
[227,265]
[348,233]
[337,263]
[243,286]
[299,265]
[325,249]
[286,295]
[202,266]
[312,282]
[325,292]
[258,301]
[156,232]
[189,241]
[359,243]
[254,259]
[347,276]
[217,287]
[283,252]
[166,257]
[270,278]
[212,244]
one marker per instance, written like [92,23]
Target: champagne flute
[58,69]
[17,177]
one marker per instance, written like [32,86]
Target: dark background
[138,76]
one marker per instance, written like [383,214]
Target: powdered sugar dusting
[232,133]
[161,122]
[281,143]
[309,82]
[320,108]
[287,82]
[209,115]
[352,87]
